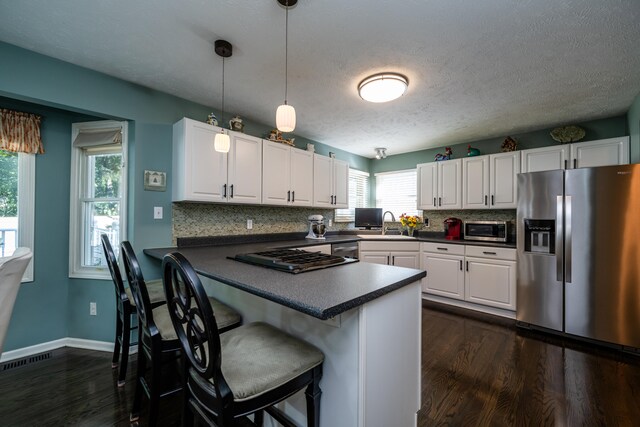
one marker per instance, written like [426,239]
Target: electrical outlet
[426,222]
[330,222]
[249,224]
[93,309]
[157,212]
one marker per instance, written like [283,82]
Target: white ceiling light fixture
[286,114]
[222,142]
[381,153]
[383,87]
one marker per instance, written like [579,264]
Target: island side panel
[390,357]
[340,345]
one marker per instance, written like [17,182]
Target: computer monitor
[368,218]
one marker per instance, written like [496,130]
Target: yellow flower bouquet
[410,222]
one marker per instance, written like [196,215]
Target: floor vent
[24,361]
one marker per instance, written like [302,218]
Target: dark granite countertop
[321,293]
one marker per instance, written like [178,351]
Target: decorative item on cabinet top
[236,124]
[212,119]
[276,135]
[566,134]
[471,152]
[448,155]
[509,144]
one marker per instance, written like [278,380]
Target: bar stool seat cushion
[225,317]
[257,358]
[155,290]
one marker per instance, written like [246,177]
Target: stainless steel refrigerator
[578,236]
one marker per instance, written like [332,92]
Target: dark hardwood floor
[477,371]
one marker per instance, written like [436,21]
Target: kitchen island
[366,318]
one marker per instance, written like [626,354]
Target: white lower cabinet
[474,274]
[400,254]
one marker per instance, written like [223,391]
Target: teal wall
[41,309]
[55,306]
[633,120]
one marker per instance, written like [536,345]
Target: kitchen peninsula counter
[365,318]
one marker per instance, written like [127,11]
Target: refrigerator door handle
[559,234]
[567,233]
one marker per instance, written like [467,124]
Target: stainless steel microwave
[488,231]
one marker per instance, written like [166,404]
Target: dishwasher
[347,249]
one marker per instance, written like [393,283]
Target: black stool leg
[137,397]
[258,418]
[126,342]
[313,394]
[154,390]
[116,348]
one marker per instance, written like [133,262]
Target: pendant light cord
[286,51]
[222,115]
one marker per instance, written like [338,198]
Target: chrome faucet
[393,218]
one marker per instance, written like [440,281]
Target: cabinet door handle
[335,200]
[485,200]
[293,196]
[467,265]
[224,195]
[393,260]
[231,194]
[460,265]
[492,201]
[575,163]
[442,249]
[388,262]
[565,164]
[489,253]
[434,201]
[440,201]
[289,196]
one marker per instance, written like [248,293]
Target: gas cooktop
[293,260]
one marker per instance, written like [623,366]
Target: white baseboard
[62,342]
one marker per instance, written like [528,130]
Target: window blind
[358,196]
[396,192]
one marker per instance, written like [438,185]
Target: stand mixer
[316,227]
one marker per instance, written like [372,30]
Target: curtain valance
[20,132]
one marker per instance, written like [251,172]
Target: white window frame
[78,178]
[348,215]
[414,210]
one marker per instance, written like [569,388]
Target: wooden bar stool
[125,308]
[158,345]
[240,372]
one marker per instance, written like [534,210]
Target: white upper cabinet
[202,174]
[475,182]
[287,175]
[244,163]
[489,182]
[545,158]
[440,185]
[330,182]
[503,185]
[199,172]
[604,152]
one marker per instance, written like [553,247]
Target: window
[98,195]
[396,192]
[17,195]
[358,195]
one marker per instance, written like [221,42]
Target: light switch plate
[157,212]
[249,224]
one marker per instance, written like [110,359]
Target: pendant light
[222,142]
[286,114]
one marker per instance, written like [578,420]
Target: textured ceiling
[477,69]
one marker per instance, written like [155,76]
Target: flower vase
[410,231]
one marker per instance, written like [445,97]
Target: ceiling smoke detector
[383,87]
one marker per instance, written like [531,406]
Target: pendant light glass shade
[222,142]
[383,87]
[286,118]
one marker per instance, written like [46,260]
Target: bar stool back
[240,372]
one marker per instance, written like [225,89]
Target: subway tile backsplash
[202,219]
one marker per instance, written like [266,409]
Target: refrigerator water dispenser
[540,236]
